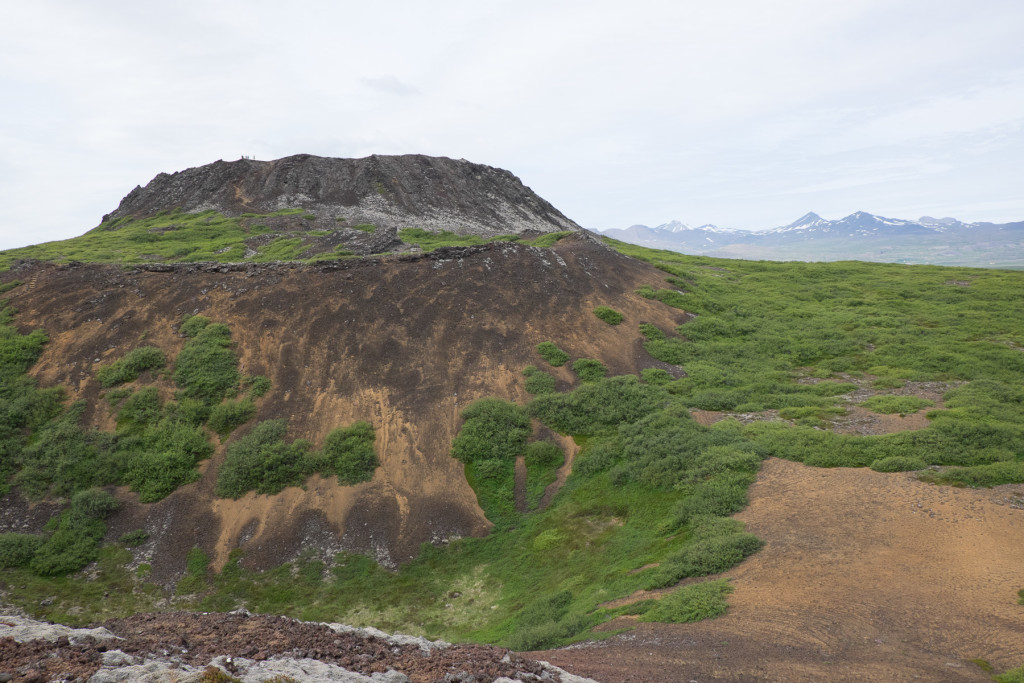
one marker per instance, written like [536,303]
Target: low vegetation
[129,368]
[262,461]
[651,493]
[609,315]
[555,356]
[170,236]
[538,381]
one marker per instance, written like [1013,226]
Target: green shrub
[135,538]
[609,315]
[889,404]
[651,332]
[493,429]
[192,325]
[131,366]
[348,453]
[655,376]
[978,476]
[142,408]
[1011,676]
[706,556]
[17,550]
[598,406]
[261,461]
[555,356]
[75,542]
[589,370]
[258,385]
[898,463]
[207,369]
[696,602]
[538,381]
[225,417]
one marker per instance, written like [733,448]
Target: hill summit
[391,192]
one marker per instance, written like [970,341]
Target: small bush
[538,381]
[192,325]
[898,463]
[261,461]
[225,417]
[1011,676]
[348,453]
[655,376]
[207,369]
[17,550]
[589,369]
[706,556]
[544,454]
[598,406]
[75,542]
[131,366]
[651,332]
[258,385]
[555,356]
[493,429]
[696,602]
[609,315]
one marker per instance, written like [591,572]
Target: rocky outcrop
[183,647]
[412,190]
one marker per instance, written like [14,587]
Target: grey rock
[390,192]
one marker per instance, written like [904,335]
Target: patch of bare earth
[864,576]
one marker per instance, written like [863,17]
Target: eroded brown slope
[404,343]
[864,577]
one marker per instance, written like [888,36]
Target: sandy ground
[864,577]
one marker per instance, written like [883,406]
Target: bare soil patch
[864,576]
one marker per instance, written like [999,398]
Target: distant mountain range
[860,236]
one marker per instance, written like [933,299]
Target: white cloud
[740,113]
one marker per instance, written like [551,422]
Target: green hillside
[782,350]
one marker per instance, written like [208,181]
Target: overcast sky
[743,113]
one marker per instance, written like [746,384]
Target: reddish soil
[404,342]
[195,639]
[864,576]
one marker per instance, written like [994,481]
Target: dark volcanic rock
[411,190]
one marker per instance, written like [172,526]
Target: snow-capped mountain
[860,235]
